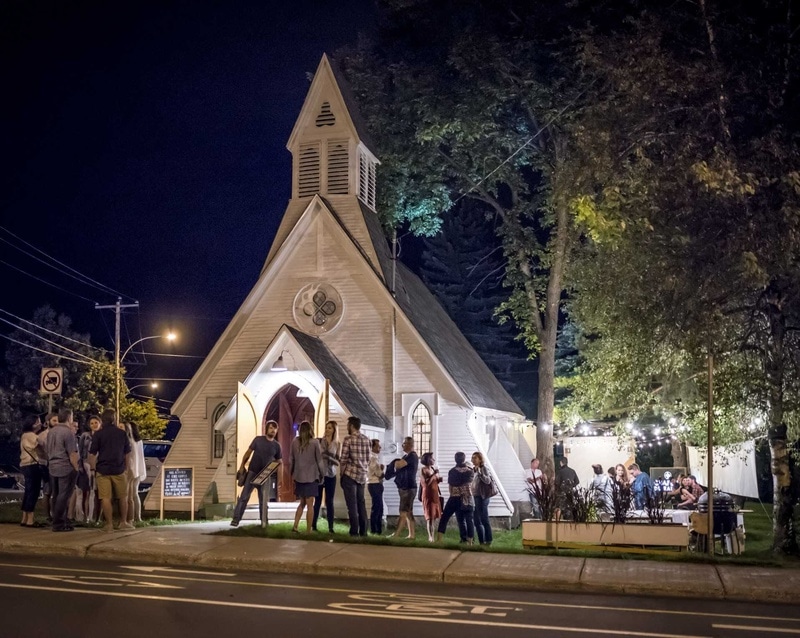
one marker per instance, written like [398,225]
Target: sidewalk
[196,545]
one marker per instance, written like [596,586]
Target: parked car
[155,452]
[10,488]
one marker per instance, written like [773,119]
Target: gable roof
[343,382]
[436,328]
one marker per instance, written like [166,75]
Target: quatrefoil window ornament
[317,308]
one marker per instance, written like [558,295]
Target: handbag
[241,476]
[419,492]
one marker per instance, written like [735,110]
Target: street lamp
[152,385]
[171,336]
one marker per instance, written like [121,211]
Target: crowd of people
[79,470]
[315,462]
[683,492]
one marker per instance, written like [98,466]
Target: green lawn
[757,545]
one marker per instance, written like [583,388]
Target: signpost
[176,482]
[263,482]
[50,383]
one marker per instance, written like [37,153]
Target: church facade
[336,326]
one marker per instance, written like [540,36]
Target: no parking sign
[51,381]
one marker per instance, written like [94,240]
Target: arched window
[421,428]
[218,450]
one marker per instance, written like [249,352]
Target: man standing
[375,487]
[62,459]
[533,482]
[566,481]
[109,454]
[461,501]
[641,488]
[354,465]
[264,449]
[404,471]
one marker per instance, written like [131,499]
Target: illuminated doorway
[289,411]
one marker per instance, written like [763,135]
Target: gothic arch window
[218,448]
[421,429]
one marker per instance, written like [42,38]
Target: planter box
[604,535]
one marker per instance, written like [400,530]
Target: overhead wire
[53,332]
[53,354]
[39,279]
[53,343]
[79,276]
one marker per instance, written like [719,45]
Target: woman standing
[329,446]
[483,489]
[137,473]
[307,469]
[431,495]
[29,464]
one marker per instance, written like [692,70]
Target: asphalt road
[66,597]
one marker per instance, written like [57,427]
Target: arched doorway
[288,410]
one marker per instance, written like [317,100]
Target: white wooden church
[335,326]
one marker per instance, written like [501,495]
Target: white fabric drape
[734,468]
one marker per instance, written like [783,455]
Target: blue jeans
[466,528]
[61,488]
[329,486]
[356,505]
[244,497]
[376,512]
[481,517]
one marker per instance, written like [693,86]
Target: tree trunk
[544,409]
[783,532]
[679,454]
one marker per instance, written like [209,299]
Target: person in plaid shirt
[353,466]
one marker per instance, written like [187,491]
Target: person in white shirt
[533,481]
[375,488]
[137,472]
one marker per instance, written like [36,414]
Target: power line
[69,292]
[53,332]
[84,279]
[52,354]
[53,343]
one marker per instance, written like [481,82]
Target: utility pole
[710,459]
[117,307]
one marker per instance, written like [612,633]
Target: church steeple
[328,144]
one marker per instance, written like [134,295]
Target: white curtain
[583,452]
[734,468]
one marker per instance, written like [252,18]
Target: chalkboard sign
[177,482]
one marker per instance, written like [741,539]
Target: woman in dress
[431,495]
[29,464]
[136,473]
[329,445]
[482,489]
[307,469]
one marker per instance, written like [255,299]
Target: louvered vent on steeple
[308,174]
[326,116]
[338,167]
[366,179]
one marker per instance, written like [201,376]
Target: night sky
[144,146]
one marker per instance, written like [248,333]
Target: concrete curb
[194,546]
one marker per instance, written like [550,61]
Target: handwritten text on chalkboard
[177,482]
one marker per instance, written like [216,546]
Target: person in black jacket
[404,472]
[566,480]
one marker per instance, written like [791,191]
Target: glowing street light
[171,336]
[152,386]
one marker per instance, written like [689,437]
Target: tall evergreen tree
[464,267]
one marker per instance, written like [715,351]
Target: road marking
[172,570]
[775,630]
[339,612]
[494,601]
[421,605]
[101,581]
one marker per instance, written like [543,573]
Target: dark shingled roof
[343,382]
[441,334]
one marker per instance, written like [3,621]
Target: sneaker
[108,528]
[234,523]
[126,526]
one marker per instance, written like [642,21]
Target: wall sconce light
[279,364]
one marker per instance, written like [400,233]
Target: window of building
[338,167]
[218,446]
[421,428]
[308,170]
[366,180]
[325,117]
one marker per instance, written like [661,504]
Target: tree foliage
[693,210]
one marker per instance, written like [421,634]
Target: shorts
[407,500]
[112,486]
